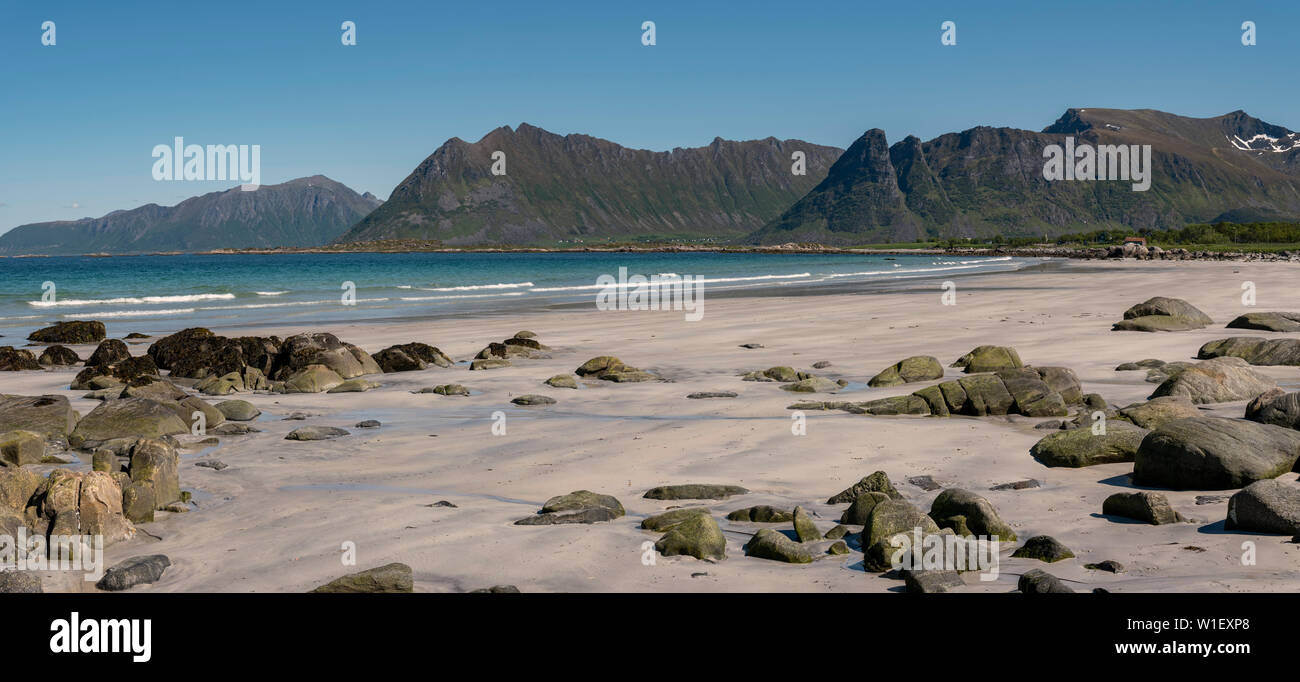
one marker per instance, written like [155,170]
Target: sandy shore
[275,519]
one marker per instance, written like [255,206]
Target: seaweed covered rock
[410,357]
[908,370]
[1082,447]
[988,359]
[1162,314]
[1214,453]
[696,535]
[73,332]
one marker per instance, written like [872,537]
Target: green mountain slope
[577,188]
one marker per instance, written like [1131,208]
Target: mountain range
[989,181]
[304,212]
[571,190]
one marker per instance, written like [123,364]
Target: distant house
[1140,241]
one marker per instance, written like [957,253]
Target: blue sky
[79,119]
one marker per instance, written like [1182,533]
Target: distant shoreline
[416,246]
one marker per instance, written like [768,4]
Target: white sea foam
[129,300]
[270,293]
[670,282]
[139,313]
[503,285]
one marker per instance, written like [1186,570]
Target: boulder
[891,517]
[392,578]
[989,359]
[238,410]
[20,582]
[1276,407]
[705,395]
[109,352]
[877,482]
[761,514]
[1152,413]
[562,381]
[664,522]
[17,360]
[694,491]
[909,370]
[1038,581]
[813,385]
[533,399]
[126,418]
[139,570]
[804,528]
[980,517]
[51,416]
[58,356]
[1254,350]
[697,535]
[410,357]
[1044,548]
[355,386]
[1269,322]
[1219,380]
[1162,314]
[489,363]
[1214,453]
[580,506]
[154,475]
[316,433]
[20,448]
[899,404]
[931,581]
[1265,507]
[312,379]
[133,371]
[451,389]
[1032,395]
[1080,447]
[1145,506]
[860,511]
[76,332]
[99,508]
[610,368]
[321,349]
[770,544]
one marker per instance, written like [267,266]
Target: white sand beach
[275,519]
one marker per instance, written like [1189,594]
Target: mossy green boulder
[698,535]
[908,370]
[1081,447]
[389,579]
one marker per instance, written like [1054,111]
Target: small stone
[316,433]
[1108,565]
[214,464]
[368,424]
[711,394]
[1038,581]
[925,483]
[533,399]
[442,503]
[1044,548]
[1017,485]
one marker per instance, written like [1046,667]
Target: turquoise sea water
[159,294]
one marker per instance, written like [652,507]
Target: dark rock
[1276,407]
[1108,565]
[1038,581]
[409,357]
[933,581]
[908,370]
[140,570]
[761,514]
[76,332]
[316,433]
[214,464]
[58,356]
[859,512]
[533,399]
[1044,548]
[17,360]
[1254,350]
[1080,447]
[1265,507]
[1017,485]
[694,491]
[109,352]
[711,394]
[497,589]
[926,483]
[1149,507]
[1214,453]
[769,544]
[988,359]
[390,579]
[877,482]
[1267,321]
[698,535]
[979,516]
[368,424]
